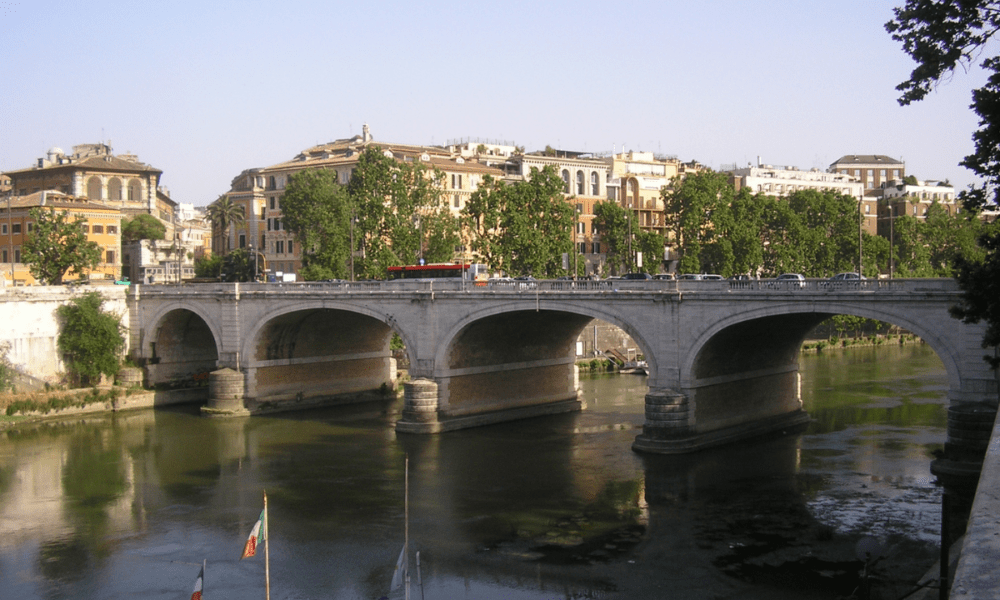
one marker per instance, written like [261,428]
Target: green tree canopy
[90,338]
[143,227]
[242,265]
[397,210]
[941,35]
[58,246]
[522,228]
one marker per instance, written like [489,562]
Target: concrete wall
[30,326]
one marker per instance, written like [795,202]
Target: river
[129,505]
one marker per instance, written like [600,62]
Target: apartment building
[872,170]
[259,190]
[585,183]
[102,225]
[899,198]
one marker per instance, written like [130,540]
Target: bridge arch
[319,351]
[942,346]
[519,353]
[183,341]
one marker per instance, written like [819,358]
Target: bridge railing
[769,286]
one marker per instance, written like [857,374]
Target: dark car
[642,276]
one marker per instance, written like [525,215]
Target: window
[3,255]
[272,202]
[94,188]
[17,255]
[15,228]
[279,247]
[243,240]
[97,229]
[581,228]
[868,209]
[290,250]
[269,224]
[85,228]
[582,247]
[270,183]
[113,229]
[29,226]
[579,182]
[115,189]
[277,224]
[595,248]
[457,201]
[134,190]
[110,257]
[3,230]
[565,178]
[594,185]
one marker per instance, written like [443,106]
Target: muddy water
[129,505]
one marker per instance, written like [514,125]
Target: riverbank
[17,409]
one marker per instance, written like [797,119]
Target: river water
[129,505]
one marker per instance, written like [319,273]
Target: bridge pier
[671,426]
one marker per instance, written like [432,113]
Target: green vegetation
[241,265]
[941,35]
[208,267]
[142,227]
[393,212]
[223,213]
[58,247]
[59,401]
[6,369]
[90,339]
[521,228]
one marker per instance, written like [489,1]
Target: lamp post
[353,219]
[892,240]
[576,227]
[420,238]
[254,254]
[861,221]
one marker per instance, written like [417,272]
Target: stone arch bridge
[722,356]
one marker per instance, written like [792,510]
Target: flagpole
[267,556]
[204,563]
[406,520]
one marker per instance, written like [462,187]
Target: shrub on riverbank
[46,402]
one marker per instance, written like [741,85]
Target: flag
[198,584]
[400,572]
[256,536]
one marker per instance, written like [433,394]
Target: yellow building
[103,226]
[259,191]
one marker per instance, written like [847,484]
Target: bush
[91,339]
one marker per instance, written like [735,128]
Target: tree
[241,265]
[208,267]
[522,228]
[941,35]
[223,213]
[980,279]
[58,247]
[142,227]
[317,210]
[611,222]
[90,338]
[691,206]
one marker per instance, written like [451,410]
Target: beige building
[103,226]
[585,183]
[259,190]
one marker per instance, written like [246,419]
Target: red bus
[473,272]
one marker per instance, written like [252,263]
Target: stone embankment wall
[31,328]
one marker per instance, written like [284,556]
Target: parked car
[642,276]
[664,276]
[691,276]
[788,281]
[713,277]
[848,277]
[524,282]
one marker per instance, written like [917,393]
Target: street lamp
[354,219]
[254,254]
[576,227]
[892,240]
[420,238]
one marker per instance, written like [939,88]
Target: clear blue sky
[204,89]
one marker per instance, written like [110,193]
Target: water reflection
[128,505]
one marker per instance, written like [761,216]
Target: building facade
[102,224]
[872,170]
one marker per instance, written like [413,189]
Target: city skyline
[204,91]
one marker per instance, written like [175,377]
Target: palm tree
[223,213]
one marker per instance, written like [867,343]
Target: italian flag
[256,536]
[199,584]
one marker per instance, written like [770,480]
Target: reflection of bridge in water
[722,356]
